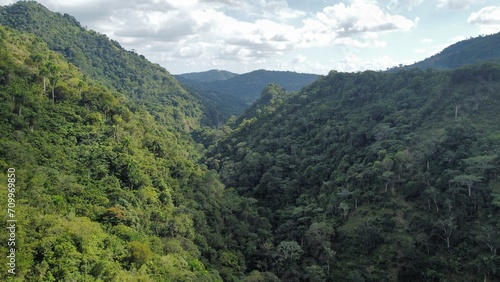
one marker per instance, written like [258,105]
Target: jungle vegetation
[122,174]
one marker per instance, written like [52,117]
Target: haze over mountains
[127,173]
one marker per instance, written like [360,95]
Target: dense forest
[375,176]
[124,174]
[107,190]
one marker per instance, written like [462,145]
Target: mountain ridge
[370,168]
[246,88]
[466,52]
[368,176]
[208,76]
[109,183]
[104,60]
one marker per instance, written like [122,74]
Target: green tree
[467,180]
[446,228]
[139,253]
[289,253]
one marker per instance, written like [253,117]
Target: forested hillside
[104,191]
[231,96]
[375,176]
[370,176]
[106,61]
[218,106]
[249,85]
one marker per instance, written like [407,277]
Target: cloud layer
[488,18]
[241,35]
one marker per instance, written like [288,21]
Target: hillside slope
[465,52]
[228,97]
[103,189]
[218,106]
[248,86]
[376,176]
[371,176]
[106,61]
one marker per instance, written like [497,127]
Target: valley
[125,172]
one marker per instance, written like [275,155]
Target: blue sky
[313,36]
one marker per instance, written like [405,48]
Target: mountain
[148,84]
[370,176]
[231,96]
[248,86]
[270,99]
[375,176]
[106,61]
[218,106]
[465,52]
[105,182]
[208,76]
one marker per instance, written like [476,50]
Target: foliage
[234,94]
[105,192]
[104,60]
[364,176]
[379,176]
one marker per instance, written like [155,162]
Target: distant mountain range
[229,93]
[242,89]
[209,76]
[122,175]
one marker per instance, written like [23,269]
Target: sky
[309,36]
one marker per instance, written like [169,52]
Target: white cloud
[299,59]
[279,9]
[352,62]
[488,19]
[360,22]
[226,3]
[192,23]
[408,4]
[251,33]
[456,4]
